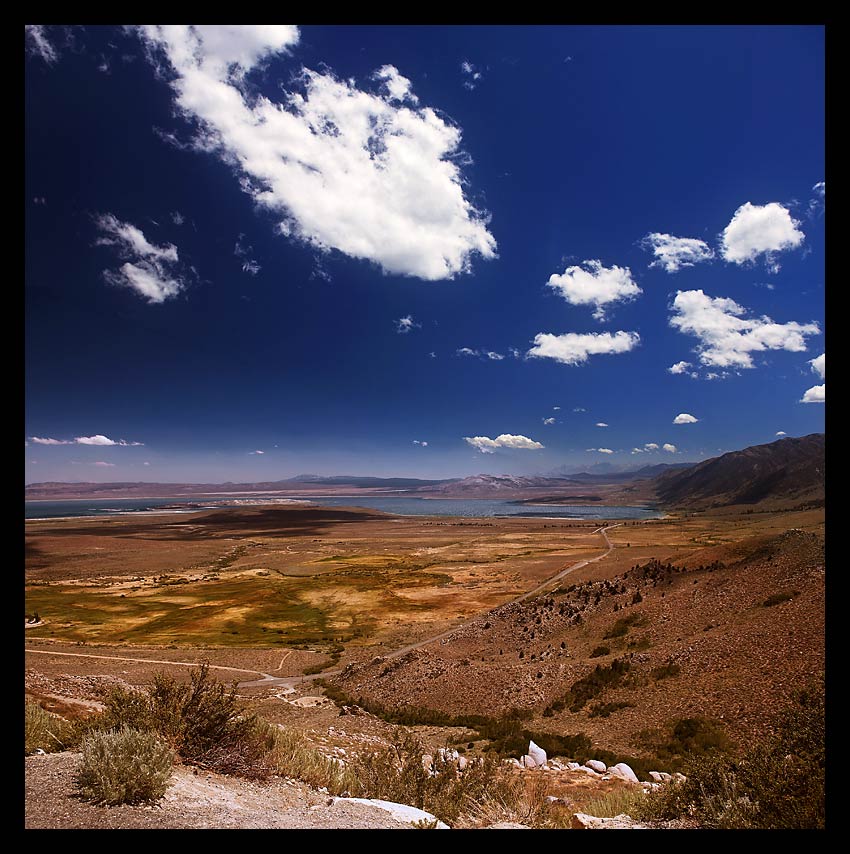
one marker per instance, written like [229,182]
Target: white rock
[624,771]
[538,753]
[400,812]
[515,762]
[584,769]
[596,765]
[582,821]
[656,776]
[680,777]
[462,762]
[573,766]
[528,761]
[507,825]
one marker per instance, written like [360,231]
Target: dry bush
[124,767]
[519,798]
[293,757]
[43,731]
[629,800]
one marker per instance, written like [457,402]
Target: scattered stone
[462,763]
[596,765]
[507,825]
[427,761]
[582,821]
[680,777]
[656,777]
[585,770]
[573,766]
[624,771]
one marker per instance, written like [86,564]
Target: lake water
[401,505]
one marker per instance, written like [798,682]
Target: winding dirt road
[268,680]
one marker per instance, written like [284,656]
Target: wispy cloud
[673,253]
[471,75]
[574,348]
[152,271]
[97,439]
[242,250]
[421,444]
[404,324]
[490,355]
[256,452]
[371,174]
[177,218]
[548,420]
[103,464]
[595,286]
[760,230]
[685,418]
[600,424]
[505,441]
[601,450]
[726,336]
[818,201]
[38,44]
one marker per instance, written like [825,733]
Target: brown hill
[782,474]
[727,634]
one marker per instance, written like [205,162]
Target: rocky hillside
[728,636]
[785,473]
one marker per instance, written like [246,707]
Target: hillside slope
[788,472]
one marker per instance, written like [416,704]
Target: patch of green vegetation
[779,598]
[605,710]
[591,685]
[684,738]
[623,624]
[665,671]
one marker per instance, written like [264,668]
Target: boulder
[656,777]
[596,765]
[582,821]
[400,812]
[462,762]
[585,770]
[623,771]
[680,777]
[573,766]
[528,761]
[538,753]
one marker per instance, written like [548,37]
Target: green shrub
[43,731]
[593,684]
[200,720]
[665,671]
[629,800]
[124,767]
[779,783]
[779,598]
[623,624]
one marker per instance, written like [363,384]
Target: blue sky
[423,251]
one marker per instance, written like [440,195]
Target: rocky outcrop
[400,812]
[624,772]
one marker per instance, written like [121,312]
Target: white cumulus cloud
[671,449]
[372,175]
[781,433]
[673,253]
[505,440]
[421,444]
[99,439]
[726,336]
[760,230]
[46,441]
[651,446]
[679,368]
[151,271]
[595,285]
[548,420]
[601,450]
[601,424]
[816,394]
[685,418]
[574,348]
[819,365]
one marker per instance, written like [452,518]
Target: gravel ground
[195,800]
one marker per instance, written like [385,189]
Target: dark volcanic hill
[788,472]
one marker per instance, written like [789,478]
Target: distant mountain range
[789,471]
